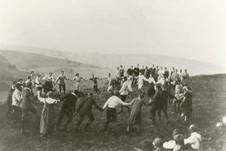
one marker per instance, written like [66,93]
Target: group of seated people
[193,142]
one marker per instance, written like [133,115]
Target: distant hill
[113,60]
[9,71]
[28,61]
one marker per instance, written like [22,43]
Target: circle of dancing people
[159,84]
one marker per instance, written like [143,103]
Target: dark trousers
[159,110]
[68,112]
[123,98]
[90,117]
[16,114]
[24,116]
[62,87]
[111,116]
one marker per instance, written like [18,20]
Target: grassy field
[209,95]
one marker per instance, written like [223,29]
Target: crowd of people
[160,85]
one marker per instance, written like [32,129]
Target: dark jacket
[69,101]
[85,105]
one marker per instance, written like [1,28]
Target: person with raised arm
[47,124]
[61,82]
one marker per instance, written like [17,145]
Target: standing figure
[158,104]
[77,80]
[49,82]
[111,105]
[95,83]
[68,108]
[9,100]
[16,100]
[186,104]
[136,115]
[185,78]
[38,83]
[130,71]
[47,123]
[27,105]
[109,83]
[140,81]
[61,82]
[125,89]
[179,95]
[84,109]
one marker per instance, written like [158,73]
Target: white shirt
[77,82]
[113,102]
[16,98]
[48,78]
[47,100]
[109,81]
[126,87]
[140,81]
[38,82]
[151,80]
[194,140]
[169,145]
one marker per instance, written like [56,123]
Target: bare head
[193,128]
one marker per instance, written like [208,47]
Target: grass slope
[28,61]
[208,103]
[25,60]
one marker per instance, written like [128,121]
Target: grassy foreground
[209,95]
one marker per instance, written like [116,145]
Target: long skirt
[47,123]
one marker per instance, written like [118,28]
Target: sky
[193,29]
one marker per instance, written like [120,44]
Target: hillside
[8,70]
[112,60]
[208,108]
[28,61]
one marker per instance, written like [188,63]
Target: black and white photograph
[112,75]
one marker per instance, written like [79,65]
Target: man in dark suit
[84,109]
[27,105]
[68,107]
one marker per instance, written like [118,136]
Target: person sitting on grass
[158,144]
[194,140]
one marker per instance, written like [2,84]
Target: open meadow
[209,105]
